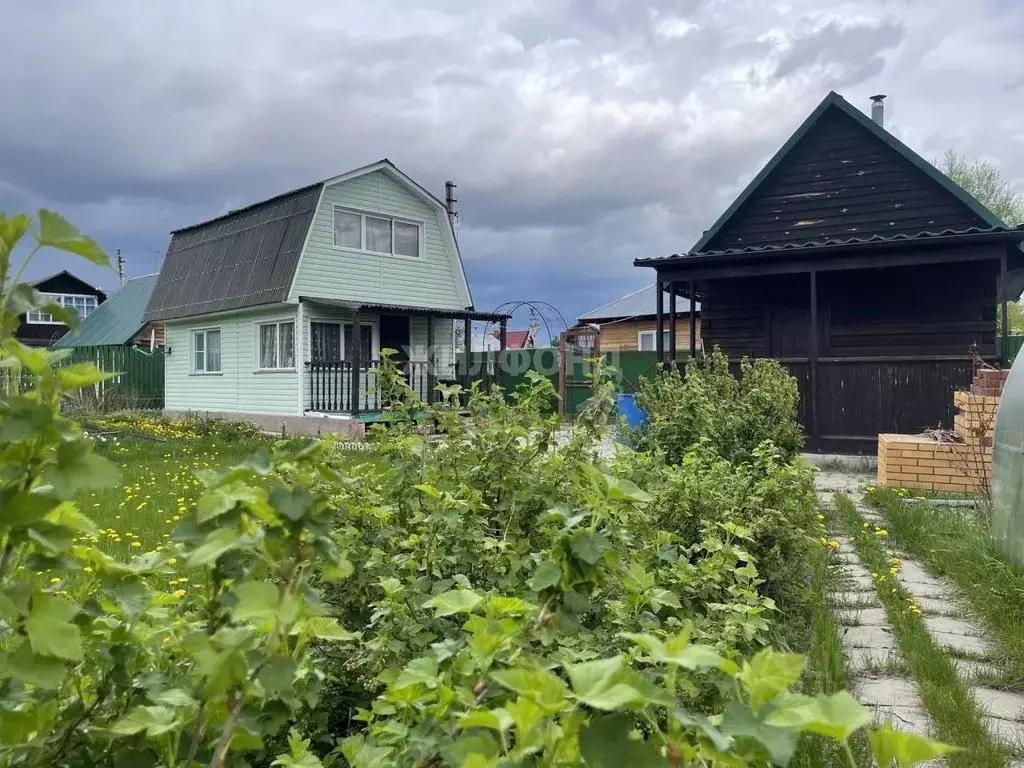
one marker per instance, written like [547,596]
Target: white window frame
[193,332]
[258,347]
[36,317]
[654,337]
[420,225]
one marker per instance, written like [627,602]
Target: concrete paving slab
[868,637]
[864,658]
[898,692]
[925,591]
[912,720]
[934,606]
[952,625]
[871,617]
[961,643]
[1006,705]
[850,598]
[972,668]
[1005,730]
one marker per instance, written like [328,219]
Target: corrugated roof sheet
[243,259]
[405,309]
[117,320]
[832,242]
[637,304]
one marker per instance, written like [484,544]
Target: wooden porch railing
[330,385]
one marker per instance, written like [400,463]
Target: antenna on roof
[450,201]
[120,268]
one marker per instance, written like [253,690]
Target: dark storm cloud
[582,133]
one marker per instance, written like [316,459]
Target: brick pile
[964,466]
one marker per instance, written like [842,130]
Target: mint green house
[277,312]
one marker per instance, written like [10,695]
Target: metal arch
[541,307]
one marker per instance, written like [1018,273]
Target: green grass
[826,671]
[955,716]
[955,543]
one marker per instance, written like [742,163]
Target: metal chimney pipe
[878,109]
[450,201]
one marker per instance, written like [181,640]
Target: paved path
[880,681]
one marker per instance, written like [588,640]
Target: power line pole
[120,268]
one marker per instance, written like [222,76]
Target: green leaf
[607,741]
[542,687]
[421,671]
[324,628]
[222,499]
[11,231]
[174,697]
[500,605]
[453,601]
[57,232]
[836,716]
[770,673]
[662,597]
[605,684]
[905,748]
[216,544]
[81,375]
[626,490]
[68,515]
[78,469]
[678,651]
[739,722]
[23,508]
[278,675]
[293,504]
[338,572]
[588,546]
[262,601]
[50,631]
[547,575]
[494,719]
[153,721]
[40,671]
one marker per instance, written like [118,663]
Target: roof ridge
[833,99]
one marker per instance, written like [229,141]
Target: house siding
[326,271]
[239,388]
[624,336]
[841,181]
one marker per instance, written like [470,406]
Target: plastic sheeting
[1008,468]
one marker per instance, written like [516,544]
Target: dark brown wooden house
[867,272]
[38,329]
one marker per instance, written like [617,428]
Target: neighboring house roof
[65,274]
[249,256]
[118,320]
[834,101]
[638,304]
[515,339]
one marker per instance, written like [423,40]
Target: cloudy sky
[582,133]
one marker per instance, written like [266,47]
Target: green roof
[834,100]
[117,320]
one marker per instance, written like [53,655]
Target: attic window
[83,304]
[376,234]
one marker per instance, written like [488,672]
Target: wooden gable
[843,176]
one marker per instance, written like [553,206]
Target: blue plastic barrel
[627,407]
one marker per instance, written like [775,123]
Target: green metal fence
[138,380]
[1012,349]
[512,366]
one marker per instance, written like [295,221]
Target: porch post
[355,359]
[814,355]
[502,361]
[467,343]
[693,318]
[430,359]
[659,303]
[672,322]
[1001,293]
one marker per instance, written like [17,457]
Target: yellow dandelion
[881,532]
[88,569]
[179,593]
[55,580]
[172,561]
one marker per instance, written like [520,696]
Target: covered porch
[339,374]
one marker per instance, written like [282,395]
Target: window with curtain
[277,346]
[647,340]
[375,233]
[206,351]
[84,305]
